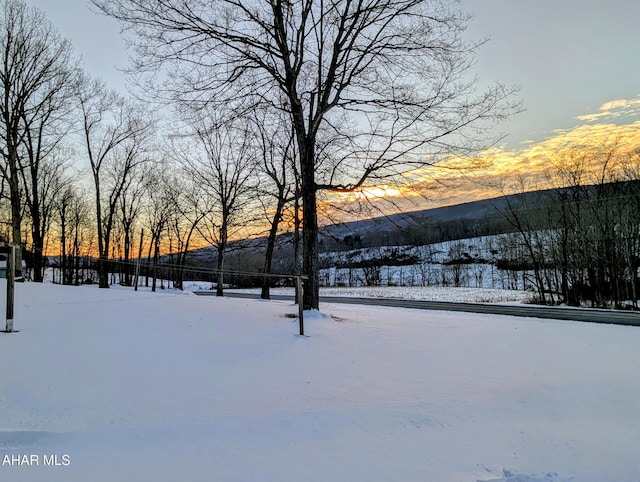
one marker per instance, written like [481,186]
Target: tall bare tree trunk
[222,246]
[271,243]
[311,295]
[16,223]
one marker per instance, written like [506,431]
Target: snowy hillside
[469,263]
[114,385]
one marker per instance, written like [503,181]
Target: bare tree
[630,223]
[160,194]
[115,132]
[189,210]
[524,215]
[277,163]
[389,76]
[578,239]
[65,213]
[222,160]
[63,207]
[43,186]
[81,232]
[130,203]
[36,73]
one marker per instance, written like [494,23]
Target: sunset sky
[577,63]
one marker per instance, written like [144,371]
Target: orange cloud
[614,109]
[463,179]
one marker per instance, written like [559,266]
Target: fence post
[300,304]
[136,275]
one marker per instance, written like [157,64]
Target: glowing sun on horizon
[377,192]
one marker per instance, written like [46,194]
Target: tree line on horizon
[575,243]
[88,173]
[248,115]
[581,243]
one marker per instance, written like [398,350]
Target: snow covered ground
[430,293]
[114,385]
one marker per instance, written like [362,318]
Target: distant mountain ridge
[470,211]
[475,218]
[420,227]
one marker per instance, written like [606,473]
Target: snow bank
[142,386]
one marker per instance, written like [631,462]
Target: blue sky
[95,37]
[577,63]
[570,57]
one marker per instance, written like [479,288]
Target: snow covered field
[429,293]
[114,385]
